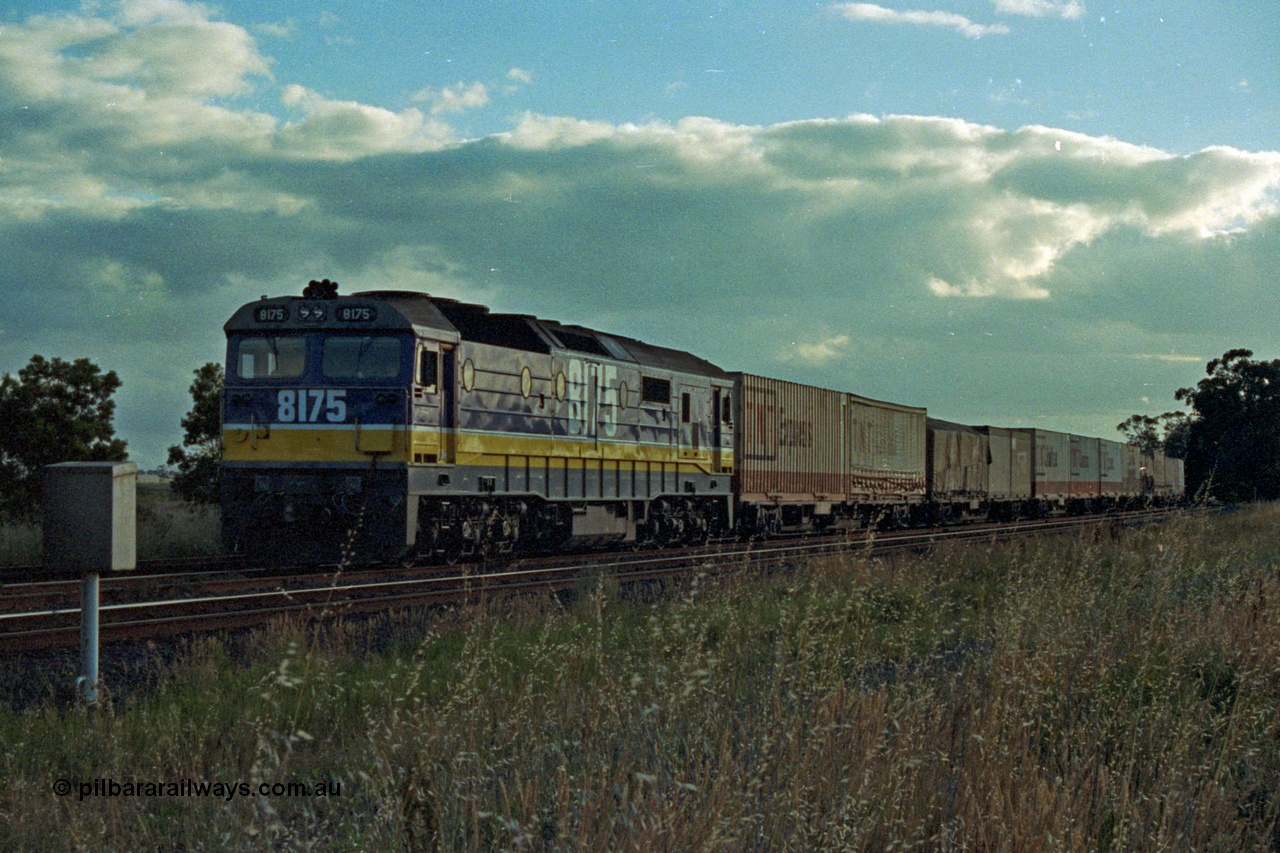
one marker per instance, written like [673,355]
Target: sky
[1019,212]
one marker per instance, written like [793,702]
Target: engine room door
[591,378]
[718,402]
[448,405]
[691,415]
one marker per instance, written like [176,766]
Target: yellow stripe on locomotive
[285,443]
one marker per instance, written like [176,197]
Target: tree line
[55,411]
[1230,440]
[63,411]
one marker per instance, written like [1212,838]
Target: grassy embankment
[1075,694]
[167,527]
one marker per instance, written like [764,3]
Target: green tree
[1233,436]
[1177,429]
[53,411]
[1167,432]
[198,477]
[1142,431]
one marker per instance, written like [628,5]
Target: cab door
[426,404]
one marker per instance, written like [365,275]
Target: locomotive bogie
[309,515]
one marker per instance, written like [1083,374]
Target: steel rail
[14,575]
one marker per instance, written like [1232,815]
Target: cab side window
[428,370]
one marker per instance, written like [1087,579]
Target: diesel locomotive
[395,425]
[388,425]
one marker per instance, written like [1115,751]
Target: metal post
[87,683]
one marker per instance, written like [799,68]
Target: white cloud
[166,50]
[1010,288]
[516,79]
[141,12]
[278,30]
[542,132]
[457,98]
[1040,8]
[347,130]
[880,15]
[818,352]
[1170,358]
[460,97]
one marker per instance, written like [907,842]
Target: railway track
[146,568]
[45,614]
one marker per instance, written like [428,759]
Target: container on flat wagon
[1159,476]
[1111,467]
[1010,472]
[1084,467]
[1131,461]
[1051,458]
[956,461]
[1146,473]
[1175,471]
[798,443]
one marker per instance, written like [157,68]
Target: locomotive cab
[327,399]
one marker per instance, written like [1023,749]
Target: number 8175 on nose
[311,405]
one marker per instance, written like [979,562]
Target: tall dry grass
[1088,693]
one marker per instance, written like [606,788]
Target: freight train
[394,425]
